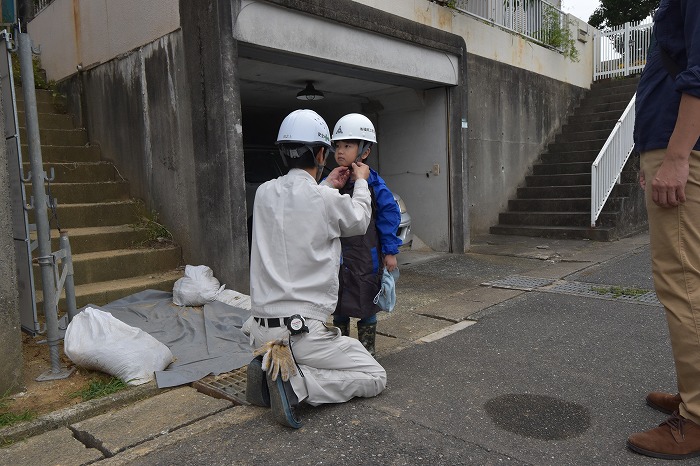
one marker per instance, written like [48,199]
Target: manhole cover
[520,282]
[538,416]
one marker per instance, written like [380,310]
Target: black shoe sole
[283,409]
[256,391]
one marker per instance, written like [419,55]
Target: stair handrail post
[601,188]
[43,229]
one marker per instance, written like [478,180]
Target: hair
[307,160]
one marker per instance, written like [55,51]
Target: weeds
[97,388]
[7,418]
[617,291]
[148,221]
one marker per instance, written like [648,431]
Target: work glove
[277,359]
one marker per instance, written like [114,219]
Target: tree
[616,12]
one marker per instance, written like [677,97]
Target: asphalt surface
[551,371]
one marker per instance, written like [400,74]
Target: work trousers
[333,368]
[675,251]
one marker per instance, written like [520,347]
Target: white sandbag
[99,341]
[197,287]
[234,298]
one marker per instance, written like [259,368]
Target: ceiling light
[310,92]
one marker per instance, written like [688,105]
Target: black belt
[270,323]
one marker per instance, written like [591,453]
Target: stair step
[90,192]
[93,239]
[593,117]
[577,219]
[42,95]
[572,168]
[537,192]
[559,204]
[42,107]
[93,215]
[609,83]
[612,96]
[604,125]
[596,234]
[554,181]
[58,137]
[65,153]
[591,108]
[48,120]
[76,172]
[100,266]
[596,145]
[575,136]
[102,293]
[586,156]
[628,89]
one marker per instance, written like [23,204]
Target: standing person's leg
[675,246]
[367,333]
[675,249]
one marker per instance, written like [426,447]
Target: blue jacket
[677,30]
[388,215]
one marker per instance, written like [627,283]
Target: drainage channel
[228,386]
[591,290]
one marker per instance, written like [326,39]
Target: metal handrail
[608,165]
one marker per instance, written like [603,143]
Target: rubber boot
[344,327]
[367,334]
[256,392]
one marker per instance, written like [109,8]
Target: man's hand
[668,185]
[390,262]
[642,180]
[360,171]
[338,177]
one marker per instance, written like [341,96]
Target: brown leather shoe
[675,439]
[664,402]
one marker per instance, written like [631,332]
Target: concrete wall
[513,114]
[90,32]
[10,334]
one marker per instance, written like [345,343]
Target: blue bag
[386,298]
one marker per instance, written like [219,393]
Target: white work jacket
[295,256]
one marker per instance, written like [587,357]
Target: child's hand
[338,177]
[360,171]
[390,262]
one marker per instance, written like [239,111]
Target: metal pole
[43,229]
[64,244]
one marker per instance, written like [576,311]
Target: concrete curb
[78,412]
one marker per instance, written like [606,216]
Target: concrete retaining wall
[10,334]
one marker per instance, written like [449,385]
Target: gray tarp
[204,340]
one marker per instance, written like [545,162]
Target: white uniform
[295,256]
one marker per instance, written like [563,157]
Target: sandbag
[99,341]
[197,288]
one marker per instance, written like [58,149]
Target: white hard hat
[304,127]
[354,126]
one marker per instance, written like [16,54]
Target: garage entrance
[402,87]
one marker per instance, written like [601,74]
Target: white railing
[622,51]
[606,170]
[535,19]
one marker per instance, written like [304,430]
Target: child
[364,256]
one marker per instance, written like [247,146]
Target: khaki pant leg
[675,248]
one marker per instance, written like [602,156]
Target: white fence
[622,51]
[606,170]
[535,19]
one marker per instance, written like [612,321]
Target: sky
[582,9]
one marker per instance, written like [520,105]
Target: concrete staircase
[112,254]
[555,201]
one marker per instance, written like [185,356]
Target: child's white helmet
[354,126]
[304,127]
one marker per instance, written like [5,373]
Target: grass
[148,221]
[97,388]
[617,291]
[7,418]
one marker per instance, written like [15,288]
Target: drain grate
[597,291]
[520,282]
[230,386]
